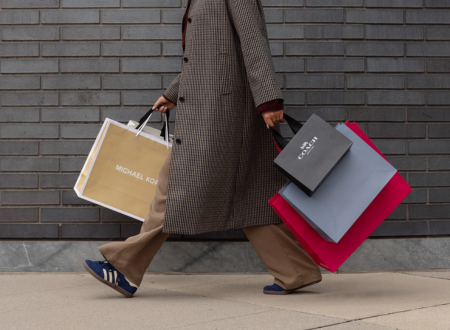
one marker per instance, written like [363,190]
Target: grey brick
[130,229]
[69,197]
[335,65]
[401,228]
[30,4]
[396,97]
[440,195]
[370,81]
[438,98]
[140,98]
[429,212]
[19,181]
[408,163]
[276,48]
[151,3]
[438,33]
[58,180]
[271,16]
[427,17]
[30,197]
[375,49]
[314,16]
[439,163]
[161,32]
[439,131]
[132,82]
[29,66]
[78,214]
[30,33]
[431,81]
[71,82]
[391,147]
[131,49]
[62,49]
[334,3]
[315,81]
[152,65]
[335,97]
[374,16]
[294,97]
[19,115]
[439,227]
[397,130]
[19,148]
[111,216]
[427,49]
[19,214]
[133,16]
[395,65]
[361,114]
[167,79]
[83,16]
[398,214]
[66,147]
[29,164]
[437,3]
[19,49]
[33,131]
[90,3]
[83,131]
[72,164]
[441,179]
[315,48]
[171,16]
[90,98]
[416,196]
[91,33]
[396,3]
[19,82]
[172,49]
[334,31]
[288,64]
[125,114]
[16,17]
[90,231]
[431,147]
[28,231]
[326,113]
[291,31]
[70,114]
[389,32]
[428,114]
[91,65]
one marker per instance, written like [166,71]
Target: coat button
[181,99]
[178,141]
[189,20]
[185,59]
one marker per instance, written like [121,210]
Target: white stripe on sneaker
[105,275]
[115,277]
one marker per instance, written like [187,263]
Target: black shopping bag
[312,153]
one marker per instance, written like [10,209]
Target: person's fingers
[269,121]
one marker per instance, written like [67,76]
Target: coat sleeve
[248,20]
[171,93]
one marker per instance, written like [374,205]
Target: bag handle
[164,131]
[294,125]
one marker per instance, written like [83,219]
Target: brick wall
[66,65]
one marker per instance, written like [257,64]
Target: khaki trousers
[281,253]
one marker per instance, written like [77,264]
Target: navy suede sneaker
[107,274]
[276,289]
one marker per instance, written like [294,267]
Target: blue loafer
[278,290]
[107,274]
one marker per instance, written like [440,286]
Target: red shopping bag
[332,255]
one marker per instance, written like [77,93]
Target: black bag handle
[294,125]
[147,115]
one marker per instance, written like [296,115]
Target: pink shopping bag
[332,255]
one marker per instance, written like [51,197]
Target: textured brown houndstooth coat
[221,174]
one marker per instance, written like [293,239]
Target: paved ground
[375,301]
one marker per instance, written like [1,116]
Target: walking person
[219,173]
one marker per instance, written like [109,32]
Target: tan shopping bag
[121,171]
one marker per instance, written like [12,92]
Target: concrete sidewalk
[370,301]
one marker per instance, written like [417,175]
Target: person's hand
[272,116]
[166,105]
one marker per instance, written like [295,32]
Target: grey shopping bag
[346,193]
